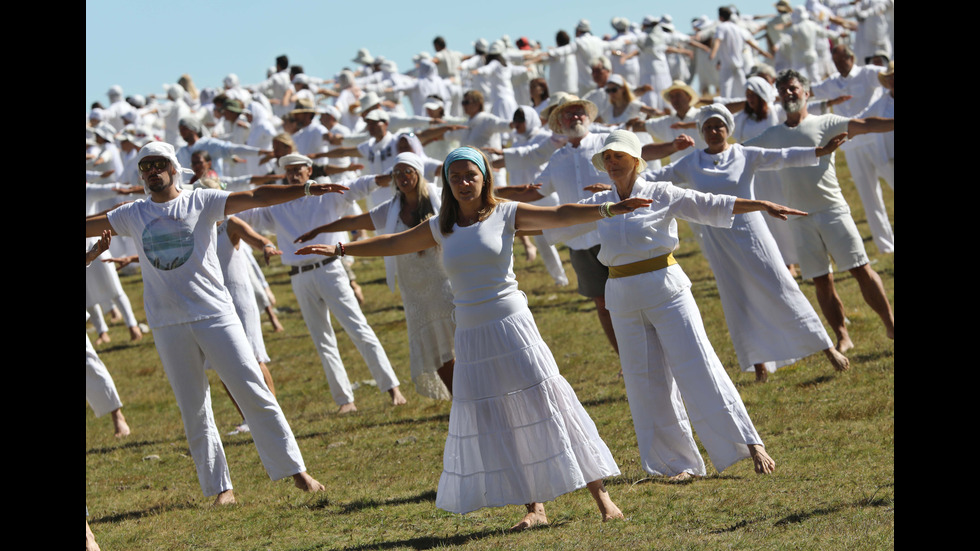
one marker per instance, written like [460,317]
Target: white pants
[861,163]
[183,349]
[326,290]
[668,362]
[100,391]
[732,79]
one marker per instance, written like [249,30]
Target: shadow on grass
[425,542]
[127,445]
[874,355]
[803,516]
[156,509]
[665,480]
[362,504]
[604,401]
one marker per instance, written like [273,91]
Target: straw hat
[680,85]
[563,101]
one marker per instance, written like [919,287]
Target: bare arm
[774,210]
[869,125]
[409,241]
[99,247]
[265,196]
[655,151]
[534,217]
[347,223]
[524,194]
[239,230]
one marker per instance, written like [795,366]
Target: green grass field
[831,434]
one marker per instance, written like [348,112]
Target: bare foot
[226,497]
[838,360]
[683,477]
[103,338]
[307,483]
[535,516]
[844,344]
[346,408]
[763,463]
[607,508]
[761,373]
[793,272]
[135,334]
[115,316]
[122,429]
[396,397]
[90,544]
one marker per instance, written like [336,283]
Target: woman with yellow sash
[667,361]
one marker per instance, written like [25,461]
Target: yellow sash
[643,266]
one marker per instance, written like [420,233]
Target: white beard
[579,130]
[793,106]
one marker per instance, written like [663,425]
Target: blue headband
[463,154]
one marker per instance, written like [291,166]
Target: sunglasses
[159,164]
[612,89]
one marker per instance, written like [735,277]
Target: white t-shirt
[182,280]
[811,189]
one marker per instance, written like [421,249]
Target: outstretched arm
[409,241]
[869,125]
[347,223]
[654,151]
[774,210]
[534,217]
[99,247]
[239,230]
[273,195]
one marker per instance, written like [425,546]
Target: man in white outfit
[193,318]
[828,231]
[323,287]
[726,48]
[861,83]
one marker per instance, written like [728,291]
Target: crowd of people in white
[705,107]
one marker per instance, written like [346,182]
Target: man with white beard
[572,175]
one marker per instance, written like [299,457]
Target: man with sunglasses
[193,317]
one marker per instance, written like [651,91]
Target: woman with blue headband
[517,432]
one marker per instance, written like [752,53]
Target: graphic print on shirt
[168,243]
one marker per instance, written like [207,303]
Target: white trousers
[668,362]
[861,163]
[326,290]
[183,349]
[100,391]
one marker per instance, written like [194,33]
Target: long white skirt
[517,432]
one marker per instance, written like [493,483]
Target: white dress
[235,269]
[769,319]
[517,432]
[428,300]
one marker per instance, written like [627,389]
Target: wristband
[306,188]
[604,209]
[269,245]
[340,247]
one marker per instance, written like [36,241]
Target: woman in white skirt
[770,321]
[425,289]
[517,432]
[673,377]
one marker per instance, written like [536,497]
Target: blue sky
[142,45]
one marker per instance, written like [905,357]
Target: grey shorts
[591,273]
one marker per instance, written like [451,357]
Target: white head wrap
[621,140]
[412,160]
[713,110]
[231,80]
[761,88]
[164,149]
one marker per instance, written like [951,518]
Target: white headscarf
[713,110]
[761,88]
[164,149]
